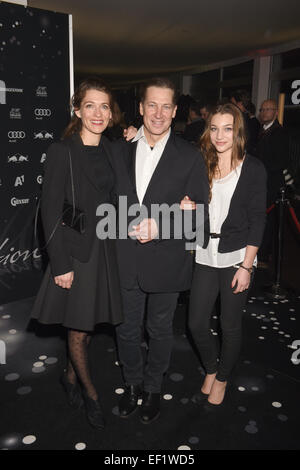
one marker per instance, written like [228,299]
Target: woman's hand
[187,205]
[64,280]
[130,133]
[241,280]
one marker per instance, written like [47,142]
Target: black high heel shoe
[73,392]
[94,411]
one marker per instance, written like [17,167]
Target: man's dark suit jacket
[273,151]
[161,265]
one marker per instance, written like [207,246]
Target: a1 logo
[296,95]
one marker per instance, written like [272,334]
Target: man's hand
[187,205]
[130,132]
[146,231]
[64,280]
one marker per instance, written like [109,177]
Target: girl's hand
[241,280]
[64,280]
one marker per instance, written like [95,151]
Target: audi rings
[42,112]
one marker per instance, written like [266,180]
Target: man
[273,150]
[195,128]
[241,98]
[156,167]
[205,111]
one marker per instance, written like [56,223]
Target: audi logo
[42,112]
[16,134]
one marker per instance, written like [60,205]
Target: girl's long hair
[239,140]
[91,83]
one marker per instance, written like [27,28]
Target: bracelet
[250,270]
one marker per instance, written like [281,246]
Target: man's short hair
[196,108]
[241,96]
[159,82]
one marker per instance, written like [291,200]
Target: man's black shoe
[150,408]
[129,399]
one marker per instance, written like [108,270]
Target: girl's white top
[222,192]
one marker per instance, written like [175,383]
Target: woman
[81,287]
[225,265]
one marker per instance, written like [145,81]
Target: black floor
[261,409]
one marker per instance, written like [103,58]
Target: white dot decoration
[12,332]
[29,440]
[241,389]
[80,446]
[119,391]
[42,358]
[5,317]
[11,377]
[24,390]
[51,360]
[261,337]
[183,447]
[139,402]
[38,364]
[117,363]
[276,404]
[168,396]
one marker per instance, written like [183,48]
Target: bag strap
[60,218]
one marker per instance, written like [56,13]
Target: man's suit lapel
[131,159]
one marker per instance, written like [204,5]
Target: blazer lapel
[78,151]
[131,158]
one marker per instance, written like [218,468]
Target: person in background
[242,99]
[273,151]
[115,128]
[225,264]
[81,285]
[195,126]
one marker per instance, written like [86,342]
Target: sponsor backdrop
[34,109]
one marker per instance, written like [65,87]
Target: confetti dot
[80,446]
[38,364]
[183,447]
[269,376]
[29,440]
[292,318]
[12,332]
[184,401]
[119,391]
[242,409]
[12,377]
[261,337]
[6,317]
[255,389]
[38,370]
[117,363]
[276,404]
[282,417]
[51,360]
[253,423]
[24,390]
[287,336]
[110,350]
[193,440]
[251,429]
[291,309]
[115,411]
[241,389]
[176,377]
[139,402]
[167,396]
[42,358]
